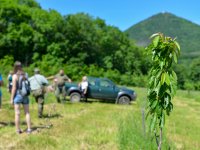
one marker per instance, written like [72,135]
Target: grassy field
[102,126]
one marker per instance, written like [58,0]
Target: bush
[48,65]
[197,85]
[113,75]
[134,80]
[6,64]
[75,71]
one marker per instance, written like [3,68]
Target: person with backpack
[9,78]
[1,83]
[37,83]
[59,84]
[19,95]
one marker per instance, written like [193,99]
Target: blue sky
[125,13]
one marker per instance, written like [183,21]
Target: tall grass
[134,131]
[182,130]
[132,135]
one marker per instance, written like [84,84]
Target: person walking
[19,95]
[59,83]
[9,79]
[37,83]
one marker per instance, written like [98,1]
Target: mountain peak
[187,33]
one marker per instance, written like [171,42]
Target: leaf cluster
[163,79]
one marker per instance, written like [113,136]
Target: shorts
[18,99]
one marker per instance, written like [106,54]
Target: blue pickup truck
[101,88]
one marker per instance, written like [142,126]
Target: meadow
[97,125]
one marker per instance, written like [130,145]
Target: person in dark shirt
[59,84]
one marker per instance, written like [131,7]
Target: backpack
[10,82]
[23,86]
[1,80]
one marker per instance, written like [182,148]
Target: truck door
[93,90]
[106,89]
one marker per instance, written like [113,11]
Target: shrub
[6,64]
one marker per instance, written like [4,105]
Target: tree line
[79,43]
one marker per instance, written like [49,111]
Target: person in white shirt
[84,87]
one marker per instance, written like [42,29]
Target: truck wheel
[75,97]
[125,100]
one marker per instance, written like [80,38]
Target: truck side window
[92,81]
[105,83]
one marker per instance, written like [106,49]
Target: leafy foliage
[6,64]
[79,43]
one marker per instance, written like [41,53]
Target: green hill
[187,33]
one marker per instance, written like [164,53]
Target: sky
[125,13]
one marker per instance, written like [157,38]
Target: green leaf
[161,64]
[162,120]
[153,122]
[171,106]
[156,82]
[167,100]
[157,89]
[167,79]
[154,35]
[173,90]
[174,75]
[159,111]
[162,78]
[178,47]
[155,103]
[175,57]
[155,41]
[158,74]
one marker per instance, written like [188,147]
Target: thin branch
[157,142]
[160,143]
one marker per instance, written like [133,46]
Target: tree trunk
[160,141]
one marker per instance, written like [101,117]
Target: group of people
[18,86]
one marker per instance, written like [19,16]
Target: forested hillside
[186,32]
[78,43]
[82,45]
